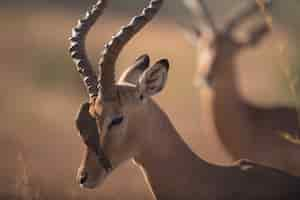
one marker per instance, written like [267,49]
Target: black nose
[83,178]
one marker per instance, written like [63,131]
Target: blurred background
[41,91]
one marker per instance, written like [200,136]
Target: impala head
[106,122]
[216,43]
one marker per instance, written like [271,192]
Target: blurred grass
[41,91]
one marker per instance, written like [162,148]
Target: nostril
[83,178]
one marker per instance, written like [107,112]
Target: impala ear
[153,80]
[87,126]
[192,35]
[132,74]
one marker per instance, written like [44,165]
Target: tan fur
[245,130]
[172,170]
[129,125]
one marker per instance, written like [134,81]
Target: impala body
[251,131]
[121,122]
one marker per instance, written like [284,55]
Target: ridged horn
[113,48]
[77,47]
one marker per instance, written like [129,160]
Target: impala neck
[168,162]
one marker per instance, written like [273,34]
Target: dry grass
[24,188]
[292,82]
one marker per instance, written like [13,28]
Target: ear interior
[154,78]
[132,74]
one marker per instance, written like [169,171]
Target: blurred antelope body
[243,129]
[121,122]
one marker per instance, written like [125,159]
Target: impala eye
[142,97]
[116,121]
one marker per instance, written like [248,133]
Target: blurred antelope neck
[167,161]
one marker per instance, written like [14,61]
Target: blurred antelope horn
[200,10]
[242,12]
[77,47]
[113,49]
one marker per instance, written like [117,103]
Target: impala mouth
[83,179]
[87,183]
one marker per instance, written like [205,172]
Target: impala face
[118,139]
[219,45]
[107,123]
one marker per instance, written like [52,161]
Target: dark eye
[116,121]
[142,97]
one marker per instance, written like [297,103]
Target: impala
[121,122]
[251,131]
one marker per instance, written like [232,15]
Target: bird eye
[116,121]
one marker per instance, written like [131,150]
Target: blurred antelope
[245,130]
[121,122]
